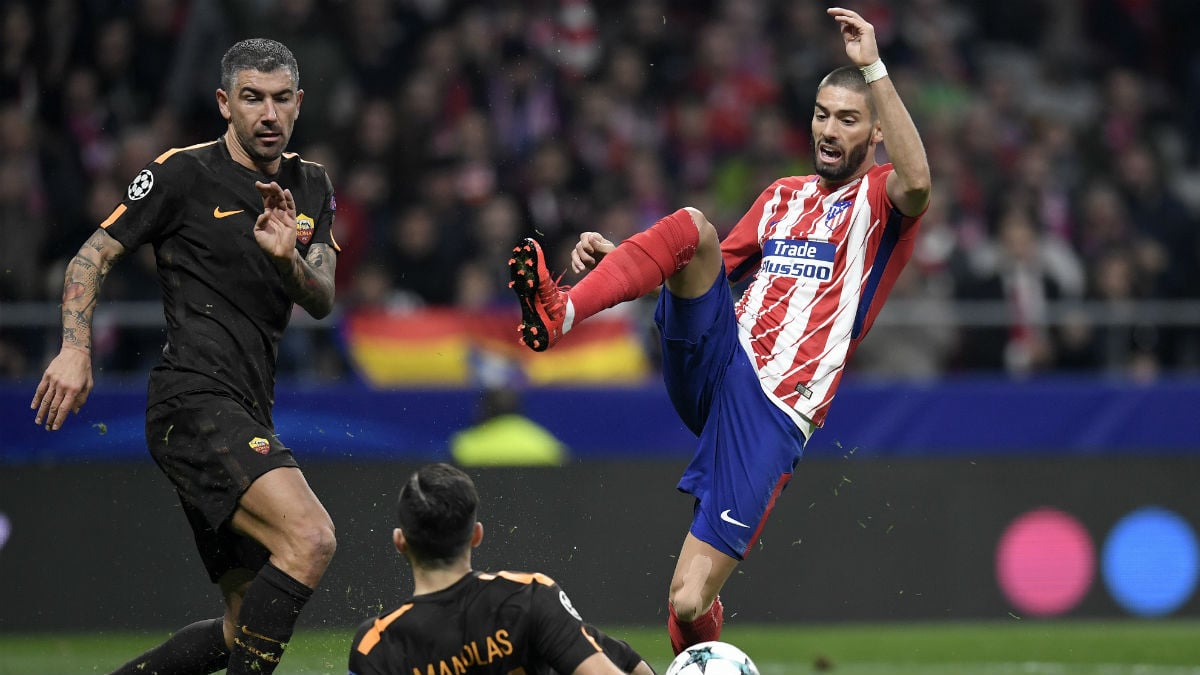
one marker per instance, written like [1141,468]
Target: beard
[257,152]
[843,169]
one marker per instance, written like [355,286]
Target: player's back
[484,623]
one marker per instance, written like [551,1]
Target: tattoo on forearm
[81,287]
[72,291]
[309,283]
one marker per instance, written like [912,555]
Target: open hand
[275,228]
[858,35]
[64,388]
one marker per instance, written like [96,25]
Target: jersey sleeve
[149,203]
[882,203]
[741,249]
[323,233]
[559,634]
[618,651]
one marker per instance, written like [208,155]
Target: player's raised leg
[682,249]
[279,511]
[694,607]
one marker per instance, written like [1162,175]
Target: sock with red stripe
[638,265]
[704,628]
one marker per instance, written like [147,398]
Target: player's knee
[707,231]
[686,599]
[323,544]
[313,545]
[686,610]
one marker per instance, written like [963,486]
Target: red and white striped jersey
[825,261]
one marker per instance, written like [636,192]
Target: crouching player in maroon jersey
[754,379]
[460,620]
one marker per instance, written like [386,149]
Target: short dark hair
[436,510]
[261,54]
[850,77]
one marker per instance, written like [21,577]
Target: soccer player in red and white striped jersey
[754,379]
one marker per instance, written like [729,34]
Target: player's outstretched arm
[908,186]
[68,379]
[308,281]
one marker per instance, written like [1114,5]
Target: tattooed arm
[308,281]
[68,379]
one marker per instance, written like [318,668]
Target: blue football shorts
[748,447]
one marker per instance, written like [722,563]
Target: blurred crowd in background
[1060,132]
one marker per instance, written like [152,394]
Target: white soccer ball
[712,658]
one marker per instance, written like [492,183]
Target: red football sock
[704,628]
[638,265]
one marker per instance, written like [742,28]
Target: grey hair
[261,54]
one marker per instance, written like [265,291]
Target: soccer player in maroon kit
[753,379]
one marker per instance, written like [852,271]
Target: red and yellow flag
[448,347]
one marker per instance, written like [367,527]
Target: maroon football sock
[638,265]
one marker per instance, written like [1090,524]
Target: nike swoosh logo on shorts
[727,518]
[218,213]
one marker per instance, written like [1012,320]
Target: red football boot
[545,309]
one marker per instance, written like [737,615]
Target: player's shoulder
[519,578]
[200,153]
[183,161]
[371,630]
[172,170]
[308,169]
[876,179]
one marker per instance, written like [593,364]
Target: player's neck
[239,155]
[426,580]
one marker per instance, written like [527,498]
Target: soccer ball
[712,658]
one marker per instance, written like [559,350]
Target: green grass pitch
[1014,647]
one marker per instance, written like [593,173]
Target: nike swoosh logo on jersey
[729,519]
[218,213]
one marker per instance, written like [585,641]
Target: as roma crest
[304,228]
[260,445]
